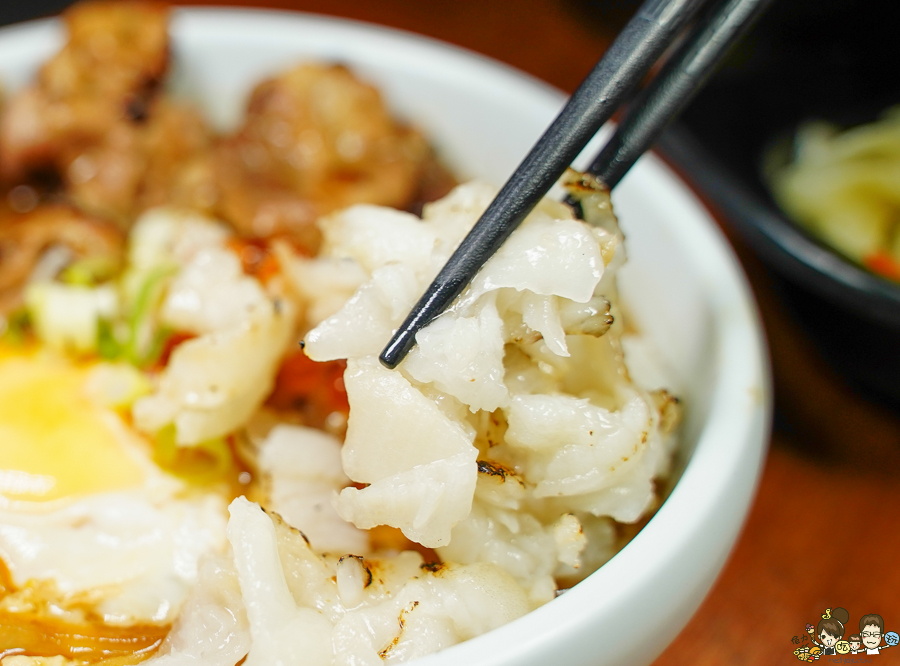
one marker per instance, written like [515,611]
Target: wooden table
[823,530]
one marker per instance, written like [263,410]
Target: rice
[180,268]
[509,441]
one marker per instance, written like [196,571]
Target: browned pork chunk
[97,119]
[316,139]
[104,77]
[97,130]
[164,160]
[52,238]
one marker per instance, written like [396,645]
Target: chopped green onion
[146,339]
[89,271]
[15,327]
[108,347]
[205,462]
[66,317]
[117,385]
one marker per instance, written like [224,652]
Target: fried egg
[85,513]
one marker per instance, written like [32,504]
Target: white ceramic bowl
[683,285]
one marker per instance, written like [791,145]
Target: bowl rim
[740,411]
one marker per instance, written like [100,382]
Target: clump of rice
[510,441]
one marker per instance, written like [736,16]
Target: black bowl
[13,12]
[828,59]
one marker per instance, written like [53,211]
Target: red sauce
[256,257]
[314,390]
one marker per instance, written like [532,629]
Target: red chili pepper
[169,346]
[883,264]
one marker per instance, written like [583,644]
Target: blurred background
[823,532]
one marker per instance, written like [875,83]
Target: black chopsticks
[669,93]
[629,58]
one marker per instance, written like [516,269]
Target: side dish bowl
[770,86]
[683,287]
[818,284]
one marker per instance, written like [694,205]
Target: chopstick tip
[397,349]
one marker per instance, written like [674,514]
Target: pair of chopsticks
[652,30]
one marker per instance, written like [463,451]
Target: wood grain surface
[823,531]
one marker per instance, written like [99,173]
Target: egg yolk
[54,442]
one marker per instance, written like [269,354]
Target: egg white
[130,554]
